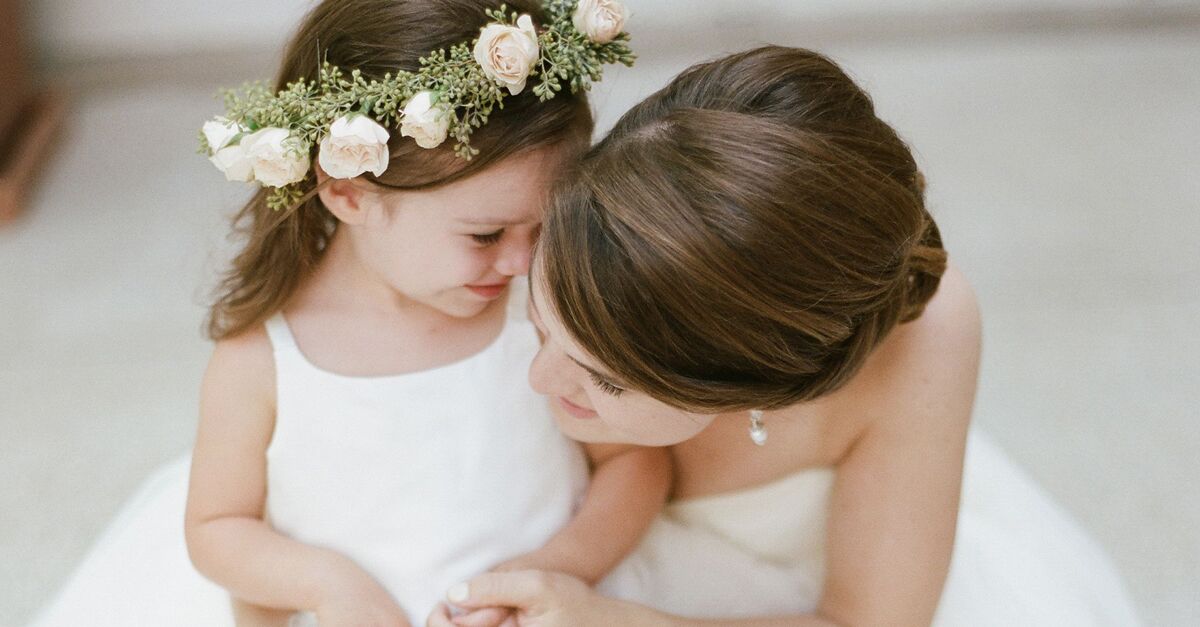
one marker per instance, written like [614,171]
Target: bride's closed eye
[605,386]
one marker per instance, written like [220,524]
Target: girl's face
[594,405]
[456,248]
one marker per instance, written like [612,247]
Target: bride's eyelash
[605,386]
[488,238]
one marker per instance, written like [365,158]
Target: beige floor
[1063,168]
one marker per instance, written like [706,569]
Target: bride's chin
[575,429]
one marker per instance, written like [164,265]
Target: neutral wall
[74,29]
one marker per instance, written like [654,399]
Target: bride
[744,270]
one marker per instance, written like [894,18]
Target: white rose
[278,158]
[228,154]
[233,162]
[424,121]
[600,20]
[507,54]
[218,132]
[355,144]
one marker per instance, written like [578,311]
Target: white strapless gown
[1019,559]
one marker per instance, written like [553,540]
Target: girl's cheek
[475,262]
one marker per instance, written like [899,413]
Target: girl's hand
[544,599]
[355,599]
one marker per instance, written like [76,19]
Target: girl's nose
[514,257]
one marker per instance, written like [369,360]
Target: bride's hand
[544,599]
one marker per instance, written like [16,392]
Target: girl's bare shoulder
[241,370]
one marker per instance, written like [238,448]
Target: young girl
[366,435]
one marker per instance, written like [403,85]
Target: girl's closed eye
[487,239]
[605,386]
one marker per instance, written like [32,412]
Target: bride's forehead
[537,292]
[541,307]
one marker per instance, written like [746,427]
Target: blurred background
[1060,139]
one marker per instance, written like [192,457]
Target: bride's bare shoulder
[931,360]
[951,321]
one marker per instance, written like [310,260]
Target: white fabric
[424,479]
[432,477]
[1018,558]
[138,573]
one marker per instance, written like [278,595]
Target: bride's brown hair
[379,37]
[743,238]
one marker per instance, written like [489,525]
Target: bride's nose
[548,375]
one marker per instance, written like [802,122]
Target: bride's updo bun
[743,238]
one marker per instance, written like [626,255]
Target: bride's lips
[576,410]
[489,292]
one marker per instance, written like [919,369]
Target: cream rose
[507,54]
[278,158]
[600,20]
[355,144]
[425,121]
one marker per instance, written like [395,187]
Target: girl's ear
[342,197]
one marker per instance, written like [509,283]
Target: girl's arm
[227,538]
[628,488]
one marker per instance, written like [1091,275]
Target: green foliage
[284,198]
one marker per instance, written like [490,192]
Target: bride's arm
[895,500]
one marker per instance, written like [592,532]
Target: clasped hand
[536,599]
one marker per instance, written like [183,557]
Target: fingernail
[459,593]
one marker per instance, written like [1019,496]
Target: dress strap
[280,333]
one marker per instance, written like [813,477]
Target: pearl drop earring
[758,432]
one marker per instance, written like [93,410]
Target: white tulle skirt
[1019,559]
[138,573]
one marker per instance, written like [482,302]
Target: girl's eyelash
[488,238]
[605,386]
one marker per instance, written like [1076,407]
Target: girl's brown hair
[378,37]
[743,238]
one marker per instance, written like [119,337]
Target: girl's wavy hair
[743,238]
[378,37]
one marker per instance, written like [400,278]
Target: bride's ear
[344,198]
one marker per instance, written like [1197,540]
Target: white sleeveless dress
[423,479]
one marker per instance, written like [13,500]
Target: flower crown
[267,137]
